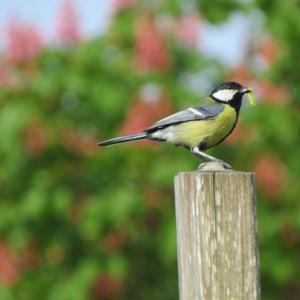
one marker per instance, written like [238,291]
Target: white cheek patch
[224,95]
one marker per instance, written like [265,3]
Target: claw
[226,165]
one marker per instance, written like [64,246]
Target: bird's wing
[203,112]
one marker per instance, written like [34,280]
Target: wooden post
[217,236]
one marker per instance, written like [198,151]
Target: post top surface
[229,172]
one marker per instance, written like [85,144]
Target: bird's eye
[224,95]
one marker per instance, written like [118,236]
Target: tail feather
[123,139]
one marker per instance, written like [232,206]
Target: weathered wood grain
[217,236]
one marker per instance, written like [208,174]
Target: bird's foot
[226,165]
[217,165]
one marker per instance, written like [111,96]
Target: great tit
[197,128]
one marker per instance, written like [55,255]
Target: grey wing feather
[204,112]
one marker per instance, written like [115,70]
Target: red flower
[114,240]
[270,174]
[30,258]
[68,29]
[289,235]
[151,49]
[187,30]
[145,111]
[10,79]
[122,4]
[35,139]
[24,42]
[153,198]
[80,143]
[107,287]
[274,94]
[9,269]
[241,133]
[268,49]
[241,74]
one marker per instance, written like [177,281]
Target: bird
[198,128]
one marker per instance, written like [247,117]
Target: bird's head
[230,93]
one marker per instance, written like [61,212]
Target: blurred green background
[79,222]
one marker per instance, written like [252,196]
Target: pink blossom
[270,174]
[241,134]
[9,268]
[35,139]
[268,49]
[144,113]
[8,78]
[151,48]
[241,73]
[68,28]
[187,30]
[30,257]
[24,42]
[271,93]
[122,4]
[107,287]
[82,143]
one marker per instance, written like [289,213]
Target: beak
[244,90]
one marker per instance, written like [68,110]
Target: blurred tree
[77,222]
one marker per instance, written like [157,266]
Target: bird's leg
[205,157]
[208,158]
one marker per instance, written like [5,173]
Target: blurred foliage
[77,222]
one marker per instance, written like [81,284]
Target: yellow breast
[192,133]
